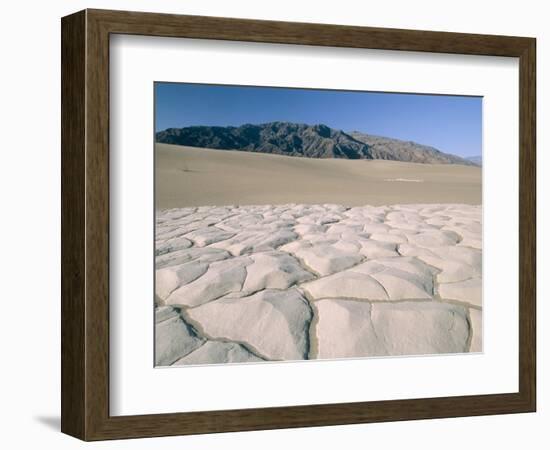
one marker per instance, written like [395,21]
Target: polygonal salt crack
[216,352]
[349,329]
[174,338]
[274,323]
[221,278]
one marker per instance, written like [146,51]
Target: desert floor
[300,281]
[187,176]
[300,268]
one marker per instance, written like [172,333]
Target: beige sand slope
[187,176]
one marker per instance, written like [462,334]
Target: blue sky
[450,123]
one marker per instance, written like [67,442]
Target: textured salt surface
[292,282]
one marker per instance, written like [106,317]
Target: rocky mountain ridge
[302,140]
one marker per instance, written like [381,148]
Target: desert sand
[258,283]
[187,176]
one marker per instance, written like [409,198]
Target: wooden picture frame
[85,224]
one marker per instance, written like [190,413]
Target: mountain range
[311,141]
[477,160]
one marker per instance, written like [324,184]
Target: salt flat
[188,176]
[316,281]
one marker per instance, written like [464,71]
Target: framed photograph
[273,225]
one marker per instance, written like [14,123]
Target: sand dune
[187,176]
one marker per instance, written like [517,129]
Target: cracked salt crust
[293,282]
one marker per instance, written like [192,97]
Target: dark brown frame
[85,224]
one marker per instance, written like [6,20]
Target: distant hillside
[477,160]
[282,138]
[398,150]
[310,141]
